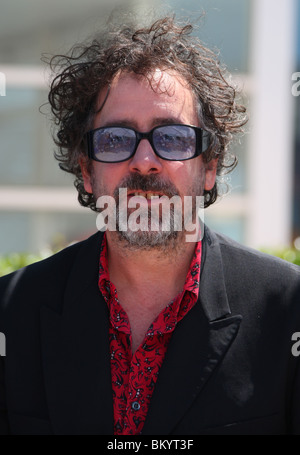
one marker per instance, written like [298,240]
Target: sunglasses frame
[149,136]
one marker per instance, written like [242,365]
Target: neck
[135,267]
[146,281]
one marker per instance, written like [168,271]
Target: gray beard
[156,238]
[159,238]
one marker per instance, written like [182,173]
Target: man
[145,331]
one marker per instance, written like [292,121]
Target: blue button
[135,405]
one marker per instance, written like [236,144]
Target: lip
[140,197]
[145,194]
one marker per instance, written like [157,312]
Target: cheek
[210,174]
[190,178]
[87,179]
[185,173]
[107,177]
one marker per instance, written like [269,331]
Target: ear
[85,175]
[210,174]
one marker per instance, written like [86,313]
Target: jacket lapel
[76,352]
[197,346]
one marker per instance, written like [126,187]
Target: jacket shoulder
[246,268]
[46,277]
[232,248]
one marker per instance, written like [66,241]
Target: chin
[148,240]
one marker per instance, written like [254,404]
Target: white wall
[273,38]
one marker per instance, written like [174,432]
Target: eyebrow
[131,123]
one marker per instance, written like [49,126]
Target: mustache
[147,183]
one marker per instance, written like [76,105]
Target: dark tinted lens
[113,143]
[175,142]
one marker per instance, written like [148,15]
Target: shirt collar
[191,282]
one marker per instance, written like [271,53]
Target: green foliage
[13,261]
[288,254]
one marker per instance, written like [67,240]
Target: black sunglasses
[114,144]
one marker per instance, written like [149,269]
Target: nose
[145,161]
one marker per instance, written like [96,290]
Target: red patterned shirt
[134,375]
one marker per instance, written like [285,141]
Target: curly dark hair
[165,45]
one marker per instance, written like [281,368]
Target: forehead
[142,101]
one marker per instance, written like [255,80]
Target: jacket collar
[76,351]
[197,346]
[212,292]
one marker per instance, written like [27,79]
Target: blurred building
[257,40]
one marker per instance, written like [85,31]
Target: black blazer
[229,368]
